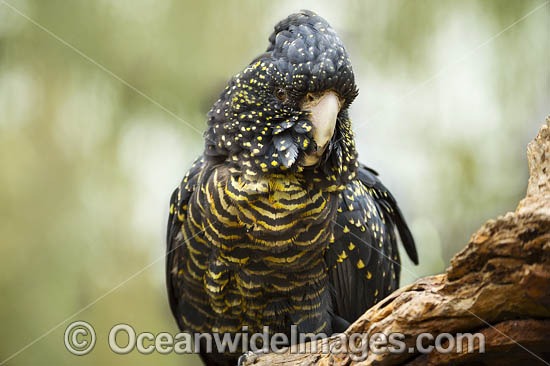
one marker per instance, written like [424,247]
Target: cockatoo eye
[280,93]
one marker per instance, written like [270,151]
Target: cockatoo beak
[324,112]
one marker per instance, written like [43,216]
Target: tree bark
[498,285]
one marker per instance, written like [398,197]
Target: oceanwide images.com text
[80,339]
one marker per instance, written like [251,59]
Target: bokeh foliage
[447,105]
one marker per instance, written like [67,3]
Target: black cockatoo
[276,223]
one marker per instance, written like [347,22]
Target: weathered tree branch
[498,285]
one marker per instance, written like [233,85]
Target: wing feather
[175,247]
[363,257]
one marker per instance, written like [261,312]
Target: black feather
[363,258]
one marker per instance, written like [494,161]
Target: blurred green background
[450,94]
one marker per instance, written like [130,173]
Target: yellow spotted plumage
[257,238]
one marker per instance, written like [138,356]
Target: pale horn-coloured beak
[324,112]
